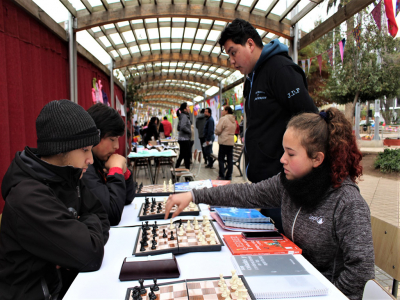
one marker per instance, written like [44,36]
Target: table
[147,155]
[104,283]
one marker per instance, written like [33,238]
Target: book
[277,276]
[238,226]
[247,215]
[220,182]
[191,185]
[240,246]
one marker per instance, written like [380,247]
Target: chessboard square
[179,294]
[207,291]
[193,243]
[193,285]
[213,297]
[208,284]
[166,289]
[196,297]
[194,292]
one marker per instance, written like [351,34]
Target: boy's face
[78,158]
[106,147]
[240,56]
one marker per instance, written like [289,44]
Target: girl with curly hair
[323,211]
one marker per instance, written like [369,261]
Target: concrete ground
[382,196]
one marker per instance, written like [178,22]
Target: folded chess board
[193,289]
[155,210]
[155,190]
[177,238]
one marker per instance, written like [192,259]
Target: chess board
[186,243]
[153,215]
[193,289]
[155,190]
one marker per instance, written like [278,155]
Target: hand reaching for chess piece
[181,200]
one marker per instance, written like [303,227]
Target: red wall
[34,71]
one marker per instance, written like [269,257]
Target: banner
[356,33]
[376,13]
[330,56]
[319,57]
[309,64]
[303,65]
[342,43]
[392,25]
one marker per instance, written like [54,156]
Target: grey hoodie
[200,122]
[184,128]
[335,237]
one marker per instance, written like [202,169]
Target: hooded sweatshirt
[200,122]
[39,230]
[226,130]
[274,91]
[184,128]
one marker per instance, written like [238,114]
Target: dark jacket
[209,128]
[184,127]
[151,132]
[38,231]
[275,91]
[335,236]
[200,122]
[113,191]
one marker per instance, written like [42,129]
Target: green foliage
[388,161]
[132,96]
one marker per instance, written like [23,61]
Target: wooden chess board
[186,243]
[153,215]
[155,190]
[193,289]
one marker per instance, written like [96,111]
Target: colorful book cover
[191,185]
[220,182]
[235,214]
[240,246]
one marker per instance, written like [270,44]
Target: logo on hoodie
[260,95]
[319,220]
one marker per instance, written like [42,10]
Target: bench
[237,155]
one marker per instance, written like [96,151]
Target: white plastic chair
[374,291]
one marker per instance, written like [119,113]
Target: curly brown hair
[330,133]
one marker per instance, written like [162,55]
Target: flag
[191,108]
[392,25]
[236,98]
[376,13]
[397,7]
[208,102]
[319,57]
[356,33]
[303,65]
[309,64]
[330,56]
[342,43]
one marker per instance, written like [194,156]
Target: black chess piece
[142,248]
[155,286]
[155,225]
[180,223]
[146,201]
[154,240]
[145,242]
[136,293]
[147,225]
[154,231]
[152,296]
[164,234]
[152,209]
[142,288]
[153,247]
[144,211]
[172,236]
[153,201]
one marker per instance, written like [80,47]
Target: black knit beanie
[63,126]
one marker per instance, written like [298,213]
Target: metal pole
[72,59]
[295,42]
[112,100]
[126,124]
[376,132]
[221,85]
[357,121]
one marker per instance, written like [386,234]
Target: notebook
[277,276]
[247,215]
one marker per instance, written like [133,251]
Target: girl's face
[295,160]
[79,158]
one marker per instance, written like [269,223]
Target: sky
[59,13]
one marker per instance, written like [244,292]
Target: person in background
[209,137]
[185,133]
[323,211]
[108,177]
[52,227]
[167,127]
[137,128]
[237,130]
[225,130]
[200,122]
[151,132]
[160,128]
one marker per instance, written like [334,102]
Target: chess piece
[155,225]
[147,225]
[155,286]
[204,242]
[164,187]
[170,186]
[181,231]
[154,240]
[234,278]
[172,236]
[191,204]
[171,226]
[142,248]
[153,247]
[165,200]
[223,289]
[152,296]
[142,289]
[212,240]
[188,227]
[228,296]
[221,279]
[199,236]
[240,286]
[164,234]
[196,224]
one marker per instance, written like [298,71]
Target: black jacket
[113,191]
[151,132]
[275,91]
[38,232]
[209,128]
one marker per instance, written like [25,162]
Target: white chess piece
[221,279]
[165,200]
[228,297]
[196,224]
[171,226]
[191,204]
[181,231]
[204,242]
[199,236]
[240,286]
[234,278]
[170,186]
[212,240]
[165,187]
[188,227]
[223,289]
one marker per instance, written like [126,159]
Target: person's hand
[207,143]
[181,200]
[116,161]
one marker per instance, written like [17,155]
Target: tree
[132,97]
[368,72]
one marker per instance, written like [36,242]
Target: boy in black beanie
[109,178]
[52,227]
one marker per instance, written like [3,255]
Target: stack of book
[241,219]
